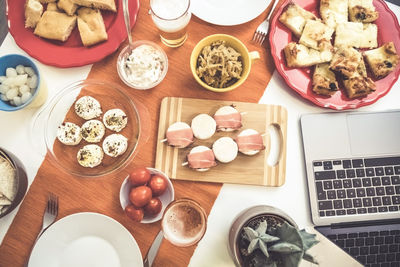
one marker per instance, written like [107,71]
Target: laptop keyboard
[357,186]
[372,249]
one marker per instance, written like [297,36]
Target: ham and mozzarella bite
[228,119]
[179,134]
[225,149]
[203,126]
[249,142]
[201,158]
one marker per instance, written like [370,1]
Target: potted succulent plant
[266,236]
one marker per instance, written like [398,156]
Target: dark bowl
[20,175]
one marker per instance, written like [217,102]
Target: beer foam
[170,9]
[183,224]
[170,15]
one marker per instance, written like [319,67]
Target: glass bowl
[122,58]
[61,109]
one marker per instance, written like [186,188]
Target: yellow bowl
[247,59]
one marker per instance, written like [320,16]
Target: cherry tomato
[158,184]
[140,196]
[153,207]
[139,176]
[134,213]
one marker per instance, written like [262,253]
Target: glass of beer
[171,18]
[184,222]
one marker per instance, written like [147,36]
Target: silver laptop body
[348,135]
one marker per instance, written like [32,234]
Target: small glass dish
[121,65]
[61,109]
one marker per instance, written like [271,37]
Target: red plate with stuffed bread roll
[71,53]
[300,79]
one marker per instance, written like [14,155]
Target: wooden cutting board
[244,169]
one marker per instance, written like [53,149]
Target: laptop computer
[352,162]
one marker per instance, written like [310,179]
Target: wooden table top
[101,195]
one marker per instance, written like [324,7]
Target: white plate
[228,12]
[86,239]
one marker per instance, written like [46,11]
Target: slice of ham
[250,142]
[232,121]
[180,138]
[201,160]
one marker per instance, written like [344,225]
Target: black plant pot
[252,217]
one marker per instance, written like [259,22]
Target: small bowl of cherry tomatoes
[145,194]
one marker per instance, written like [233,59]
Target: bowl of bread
[68,33]
[338,54]
[13,182]
[57,20]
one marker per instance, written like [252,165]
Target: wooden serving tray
[244,169]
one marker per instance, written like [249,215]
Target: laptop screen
[374,133]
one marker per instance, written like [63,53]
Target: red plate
[71,53]
[299,79]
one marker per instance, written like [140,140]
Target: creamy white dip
[144,66]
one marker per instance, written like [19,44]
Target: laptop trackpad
[374,133]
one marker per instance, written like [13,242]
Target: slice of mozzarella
[90,156]
[87,107]
[249,142]
[115,145]
[69,134]
[179,134]
[201,158]
[228,119]
[203,126]
[115,119]
[93,131]
[225,149]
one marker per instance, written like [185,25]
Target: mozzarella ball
[20,69]
[11,72]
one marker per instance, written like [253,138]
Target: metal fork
[50,214]
[262,30]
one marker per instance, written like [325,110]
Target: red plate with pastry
[345,92]
[71,52]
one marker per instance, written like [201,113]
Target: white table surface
[212,250]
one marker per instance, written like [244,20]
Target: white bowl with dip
[142,65]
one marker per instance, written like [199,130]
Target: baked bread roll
[316,35]
[298,55]
[324,80]
[100,4]
[52,7]
[362,11]
[345,61]
[359,86]
[295,18]
[91,26]
[357,34]
[55,25]
[68,6]
[382,60]
[333,12]
[33,12]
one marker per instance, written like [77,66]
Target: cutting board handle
[275,149]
